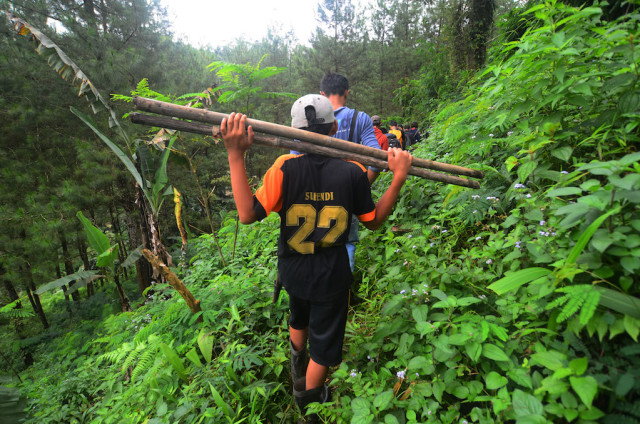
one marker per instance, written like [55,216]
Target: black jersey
[314,197]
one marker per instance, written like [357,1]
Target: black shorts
[326,322]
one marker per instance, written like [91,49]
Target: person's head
[393,123]
[334,84]
[384,130]
[414,125]
[314,113]
[375,119]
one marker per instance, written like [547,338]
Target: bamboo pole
[300,146]
[210,117]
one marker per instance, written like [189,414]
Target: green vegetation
[518,302]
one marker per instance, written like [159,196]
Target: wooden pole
[300,146]
[210,117]
[173,279]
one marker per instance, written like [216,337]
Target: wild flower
[553,234]
[528,196]
[403,291]
[509,133]
[475,196]
[475,211]
[409,236]
[478,238]
[489,261]
[414,292]
[401,374]
[518,243]
[428,412]
[431,244]
[417,375]
[397,250]
[518,185]
[354,373]
[490,135]
[444,231]
[564,172]
[543,222]
[414,246]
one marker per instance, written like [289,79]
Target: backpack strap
[354,118]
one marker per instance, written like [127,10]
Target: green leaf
[174,360]
[97,239]
[586,236]
[526,169]
[107,257]
[494,381]
[192,355]
[619,302]
[631,326]
[382,400]
[226,409]
[51,285]
[492,351]
[517,279]
[625,384]
[119,153]
[525,405]
[205,343]
[585,387]
[564,191]
[579,365]
[551,359]
[133,257]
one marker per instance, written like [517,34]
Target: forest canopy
[130,293]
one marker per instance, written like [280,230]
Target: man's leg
[298,338]
[316,375]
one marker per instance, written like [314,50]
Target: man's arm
[399,163]
[237,143]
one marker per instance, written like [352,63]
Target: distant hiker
[383,141]
[393,141]
[393,129]
[414,134]
[314,196]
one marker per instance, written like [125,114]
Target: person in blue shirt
[335,87]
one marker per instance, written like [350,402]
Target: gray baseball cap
[322,111]
[376,120]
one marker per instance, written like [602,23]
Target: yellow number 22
[327,214]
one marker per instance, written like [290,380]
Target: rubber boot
[298,362]
[305,397]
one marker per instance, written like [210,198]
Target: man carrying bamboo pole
[314,196]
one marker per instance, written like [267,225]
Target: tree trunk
[68,265]
[13,296]
[481,18]
[34,298]
[64,290]
[82,251]
[143,268]
[124,300]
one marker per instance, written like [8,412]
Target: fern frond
[589,307]
[133,355]
[144,362]
[576,299]
[144,334]
[558,302]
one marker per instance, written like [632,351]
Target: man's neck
[337,101]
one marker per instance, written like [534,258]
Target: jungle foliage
[518,302]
